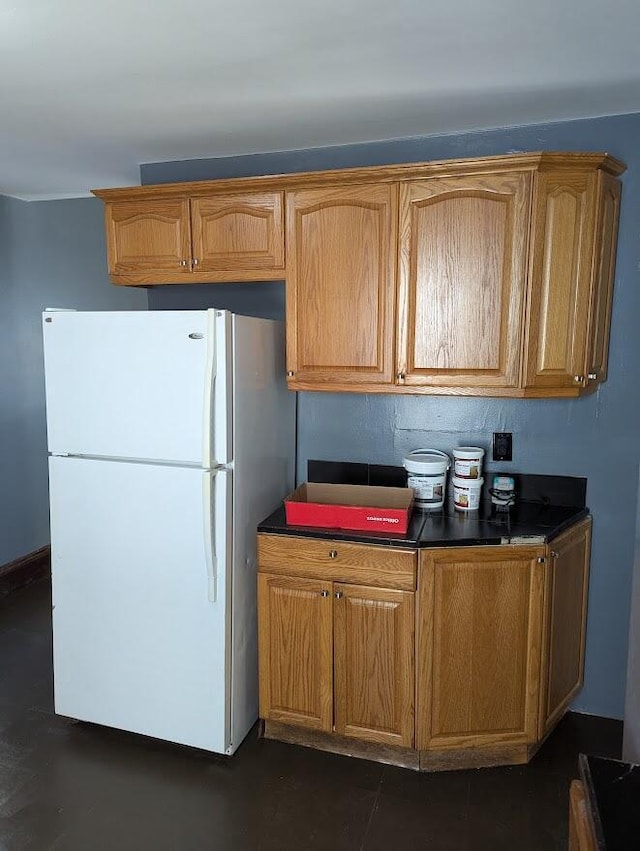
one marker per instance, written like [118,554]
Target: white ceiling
[91,88]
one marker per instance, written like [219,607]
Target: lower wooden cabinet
[567,584]
[296,659]
[337,657]
[479,639]
[373,664]
[472,669]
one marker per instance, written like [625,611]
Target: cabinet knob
[578,379]
[324,593]
[338,595]
[541,560]
[290,373]
[194,261]
[554,554]
[183,262]
[401,376]
[593,376]
[333,553]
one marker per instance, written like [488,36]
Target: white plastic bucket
[466,493]
[427,475]
[468,462]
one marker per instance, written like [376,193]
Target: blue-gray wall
[52,254]
[597,437]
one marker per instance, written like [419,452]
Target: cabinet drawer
[363,564]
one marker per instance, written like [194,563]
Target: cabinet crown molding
[537,161]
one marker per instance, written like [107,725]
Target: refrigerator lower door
[138,643]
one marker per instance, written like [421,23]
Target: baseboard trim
[25,570]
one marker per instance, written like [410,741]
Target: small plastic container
[427,475]
[466,493]
[503,493]
[467,462]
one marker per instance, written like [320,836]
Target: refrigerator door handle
[209,387]
[209,512]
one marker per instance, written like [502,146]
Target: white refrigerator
[171,434]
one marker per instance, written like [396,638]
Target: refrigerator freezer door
[135,384]
[137,643]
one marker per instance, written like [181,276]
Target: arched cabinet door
[341,286]
[148,236]
[462,271]
[564,214]
[238,232]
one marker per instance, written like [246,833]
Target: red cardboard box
[359,507]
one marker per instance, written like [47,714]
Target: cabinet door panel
[463,244]
[374,667]
[147,236]
[295,647]
[236,232]
[566,606]
[479,647]
[600,319]
[341,285]
[561,271]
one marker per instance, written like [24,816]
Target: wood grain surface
[374,664]
[567,588]
[341,283]
[146,236]
[479,644]
[238,232]
[603,276]
[295,651]
[363,564]
[462,252]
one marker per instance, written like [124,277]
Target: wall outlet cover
[502,446]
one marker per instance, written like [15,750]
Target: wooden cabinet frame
[479,640]
[473,669]
[354,322]
[238,236]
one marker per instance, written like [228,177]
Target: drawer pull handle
[333,553]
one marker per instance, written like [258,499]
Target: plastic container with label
[503,493]
[427,475]
[467,462]
[466,493]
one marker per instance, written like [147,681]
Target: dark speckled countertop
[552,504]
[613,791]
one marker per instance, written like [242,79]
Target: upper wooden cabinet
[575,220]
[341,285]
[462,274]
[234,236]
[148,237]
[489,276]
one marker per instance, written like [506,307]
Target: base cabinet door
[480,630]
[567,585]
[295,651]
[374,661]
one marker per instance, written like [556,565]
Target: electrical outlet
[502,446]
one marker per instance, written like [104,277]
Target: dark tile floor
[66,786]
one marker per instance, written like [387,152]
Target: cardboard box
[359,507]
